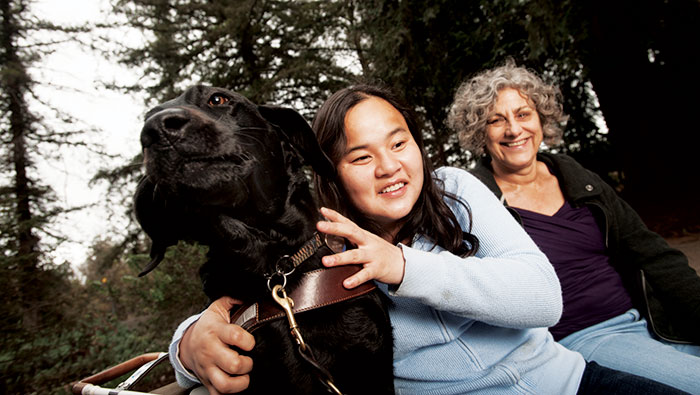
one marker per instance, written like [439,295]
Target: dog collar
[305,252]
[309,248]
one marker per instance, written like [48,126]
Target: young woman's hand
[381,260]
[205,349]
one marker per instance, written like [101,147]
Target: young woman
[472,294]
[596,242]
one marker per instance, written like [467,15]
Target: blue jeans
[601,380]
[624,343]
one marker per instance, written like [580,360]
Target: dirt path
[690,245]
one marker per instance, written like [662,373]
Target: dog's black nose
[167,122]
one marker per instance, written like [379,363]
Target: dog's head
[212,152]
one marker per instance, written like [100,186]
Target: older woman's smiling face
[513,131]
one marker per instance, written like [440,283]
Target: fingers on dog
[226,303]
[236,364]
[231,375]
[348,230]
[358,278]
[333,215]
[238,337]
[349,257]
[222,383]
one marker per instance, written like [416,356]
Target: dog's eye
[217,99]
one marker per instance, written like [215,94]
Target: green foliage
[269,51]
[37,296]
[112,316]
[426,49]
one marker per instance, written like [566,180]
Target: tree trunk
[15,83]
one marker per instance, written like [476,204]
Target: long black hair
[430,215]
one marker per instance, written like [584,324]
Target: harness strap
[317,288]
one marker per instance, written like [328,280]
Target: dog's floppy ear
[150,214]
[298,132]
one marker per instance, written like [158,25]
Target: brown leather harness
[317,288]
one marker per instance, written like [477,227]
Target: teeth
[516,143]
[393,188]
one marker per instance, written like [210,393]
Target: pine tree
[270,51]
[34,293]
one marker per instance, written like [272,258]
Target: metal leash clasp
[279,273]
[287,304]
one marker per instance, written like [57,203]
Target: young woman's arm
[508,283]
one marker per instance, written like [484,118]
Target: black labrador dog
[230,174]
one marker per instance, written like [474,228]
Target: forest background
[628,71]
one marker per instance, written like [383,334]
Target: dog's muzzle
[168,124]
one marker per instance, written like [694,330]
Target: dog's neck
[245,252]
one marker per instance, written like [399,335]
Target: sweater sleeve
[508,283]
[184,377]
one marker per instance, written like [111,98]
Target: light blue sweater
[476,324]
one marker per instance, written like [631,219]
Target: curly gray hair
[475,98]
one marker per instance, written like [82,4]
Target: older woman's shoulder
[567,165]
[559,159]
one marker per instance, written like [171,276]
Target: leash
[304,349]
[318,288]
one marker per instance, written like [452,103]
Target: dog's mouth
[234,161]
[196,171]
[201,147]
[166,162]
[229,180]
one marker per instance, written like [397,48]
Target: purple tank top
[592,290]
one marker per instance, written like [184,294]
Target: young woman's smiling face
[382,168]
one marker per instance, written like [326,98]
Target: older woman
[607,260]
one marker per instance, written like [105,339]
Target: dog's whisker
[251,136]
[156,190]
[246,128]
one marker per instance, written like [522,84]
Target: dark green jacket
[663,287]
